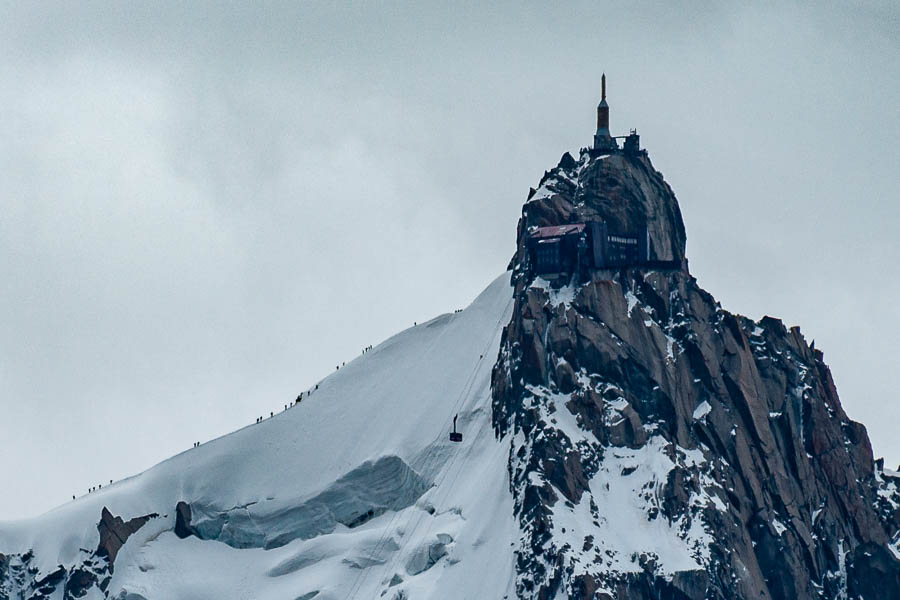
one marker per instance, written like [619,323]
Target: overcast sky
[204,210]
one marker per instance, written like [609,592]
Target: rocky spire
[624,191]
[661,446]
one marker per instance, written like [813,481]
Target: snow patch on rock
[702,410]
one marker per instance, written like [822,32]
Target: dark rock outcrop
[631,396]
[183,527]
[19,578]
[114,532]
[82,579]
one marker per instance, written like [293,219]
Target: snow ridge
[354,493]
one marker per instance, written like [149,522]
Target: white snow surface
[632,301]
[615,512]
[564,295]
[702,410]
[397,400]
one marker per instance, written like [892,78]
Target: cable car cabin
[455,436]
[559,250]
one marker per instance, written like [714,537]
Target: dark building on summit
[561,250]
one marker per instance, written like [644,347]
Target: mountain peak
[620,435]
[662,446]
[622,190]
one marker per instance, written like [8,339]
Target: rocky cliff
[662,447]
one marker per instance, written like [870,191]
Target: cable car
[455,436]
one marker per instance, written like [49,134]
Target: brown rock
[114,532]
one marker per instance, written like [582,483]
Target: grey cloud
[202,210]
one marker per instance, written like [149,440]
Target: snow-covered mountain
[353,491]
[623,437]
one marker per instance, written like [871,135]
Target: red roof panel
[554,231]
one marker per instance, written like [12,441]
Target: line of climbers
[95,488]
[456,437]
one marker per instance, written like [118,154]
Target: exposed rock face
[20,579]
[114,532]
[183,527]
[625,191]
[665,448]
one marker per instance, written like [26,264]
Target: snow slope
[276,497]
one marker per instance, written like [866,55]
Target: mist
[205,209]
